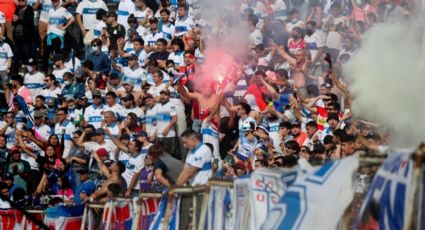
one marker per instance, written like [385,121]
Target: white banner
[316,200]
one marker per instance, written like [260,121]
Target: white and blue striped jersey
[201,158]
[93,115]
[35,83]
[164,115]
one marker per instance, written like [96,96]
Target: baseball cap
[100,131]
[108,162]
[102,152]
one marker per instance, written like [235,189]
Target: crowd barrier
[218,205]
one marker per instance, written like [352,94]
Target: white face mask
[30,68]
[170,69]
[94,48]
[67,82]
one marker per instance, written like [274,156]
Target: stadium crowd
[102,98]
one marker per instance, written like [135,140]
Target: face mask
[94,48]
[67,82]
[170,70]
[30,69]
[71,107]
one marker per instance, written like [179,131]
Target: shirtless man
[299,64]
[209,104]
[113,175]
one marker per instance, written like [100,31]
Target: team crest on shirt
[197,158]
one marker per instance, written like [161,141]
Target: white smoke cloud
[387,78]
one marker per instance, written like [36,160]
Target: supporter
[33,79]
[197,169]
[101,61]
[114,30]
[18,88]
[166,168]
[85,188]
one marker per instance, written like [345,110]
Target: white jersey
[241,121]
[88,9]
[255,38]
[177,58]
[98,27]
[164,115]
[46,5]
[5,53]
[314,42]
[117,109]
[200,157]
[58,16]
[136,110]
[134,165]
[155,90]
[150,120]
[141,15]
[35,83]
[137,76]
[69,129]
[125,8]
[91,147]
[73,65]
[151,38]
[36,150]
[142,55]
[50,93]
[168,31]
[211,135]
[10,135]
[93,115]
[114,129]
[59,74]
[42,132]
[183,25]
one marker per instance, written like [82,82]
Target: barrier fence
[243,204]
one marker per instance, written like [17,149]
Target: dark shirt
[75,90]
[115,32]
[24,26]
[101,62]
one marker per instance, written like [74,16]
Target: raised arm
[116,142]
[270,89]
[184,93]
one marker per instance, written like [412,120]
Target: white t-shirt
[93,115]
[69,129]
[117,109]
[155,90]
[92,146]
[58,16]
[88,9]
[136,110]
[59,74]
[73,66]
[134,165]
[168,31]
[255,38]
[150,120]
[5,53]
[151,38]
[183,25]
[177,58]
[98,27]
[164,115]
[201,158]
[125,8]
[46,5]
[314,42]
[50,93]
[136,75]
[35,83]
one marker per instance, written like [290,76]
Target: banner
[241,203]
[267,187]
[316,200]
[117,215]
[146,213]
[173,221]
[64,217]
[386,202]
[219,208]
[10,219]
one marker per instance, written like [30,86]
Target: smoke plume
[387,78]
